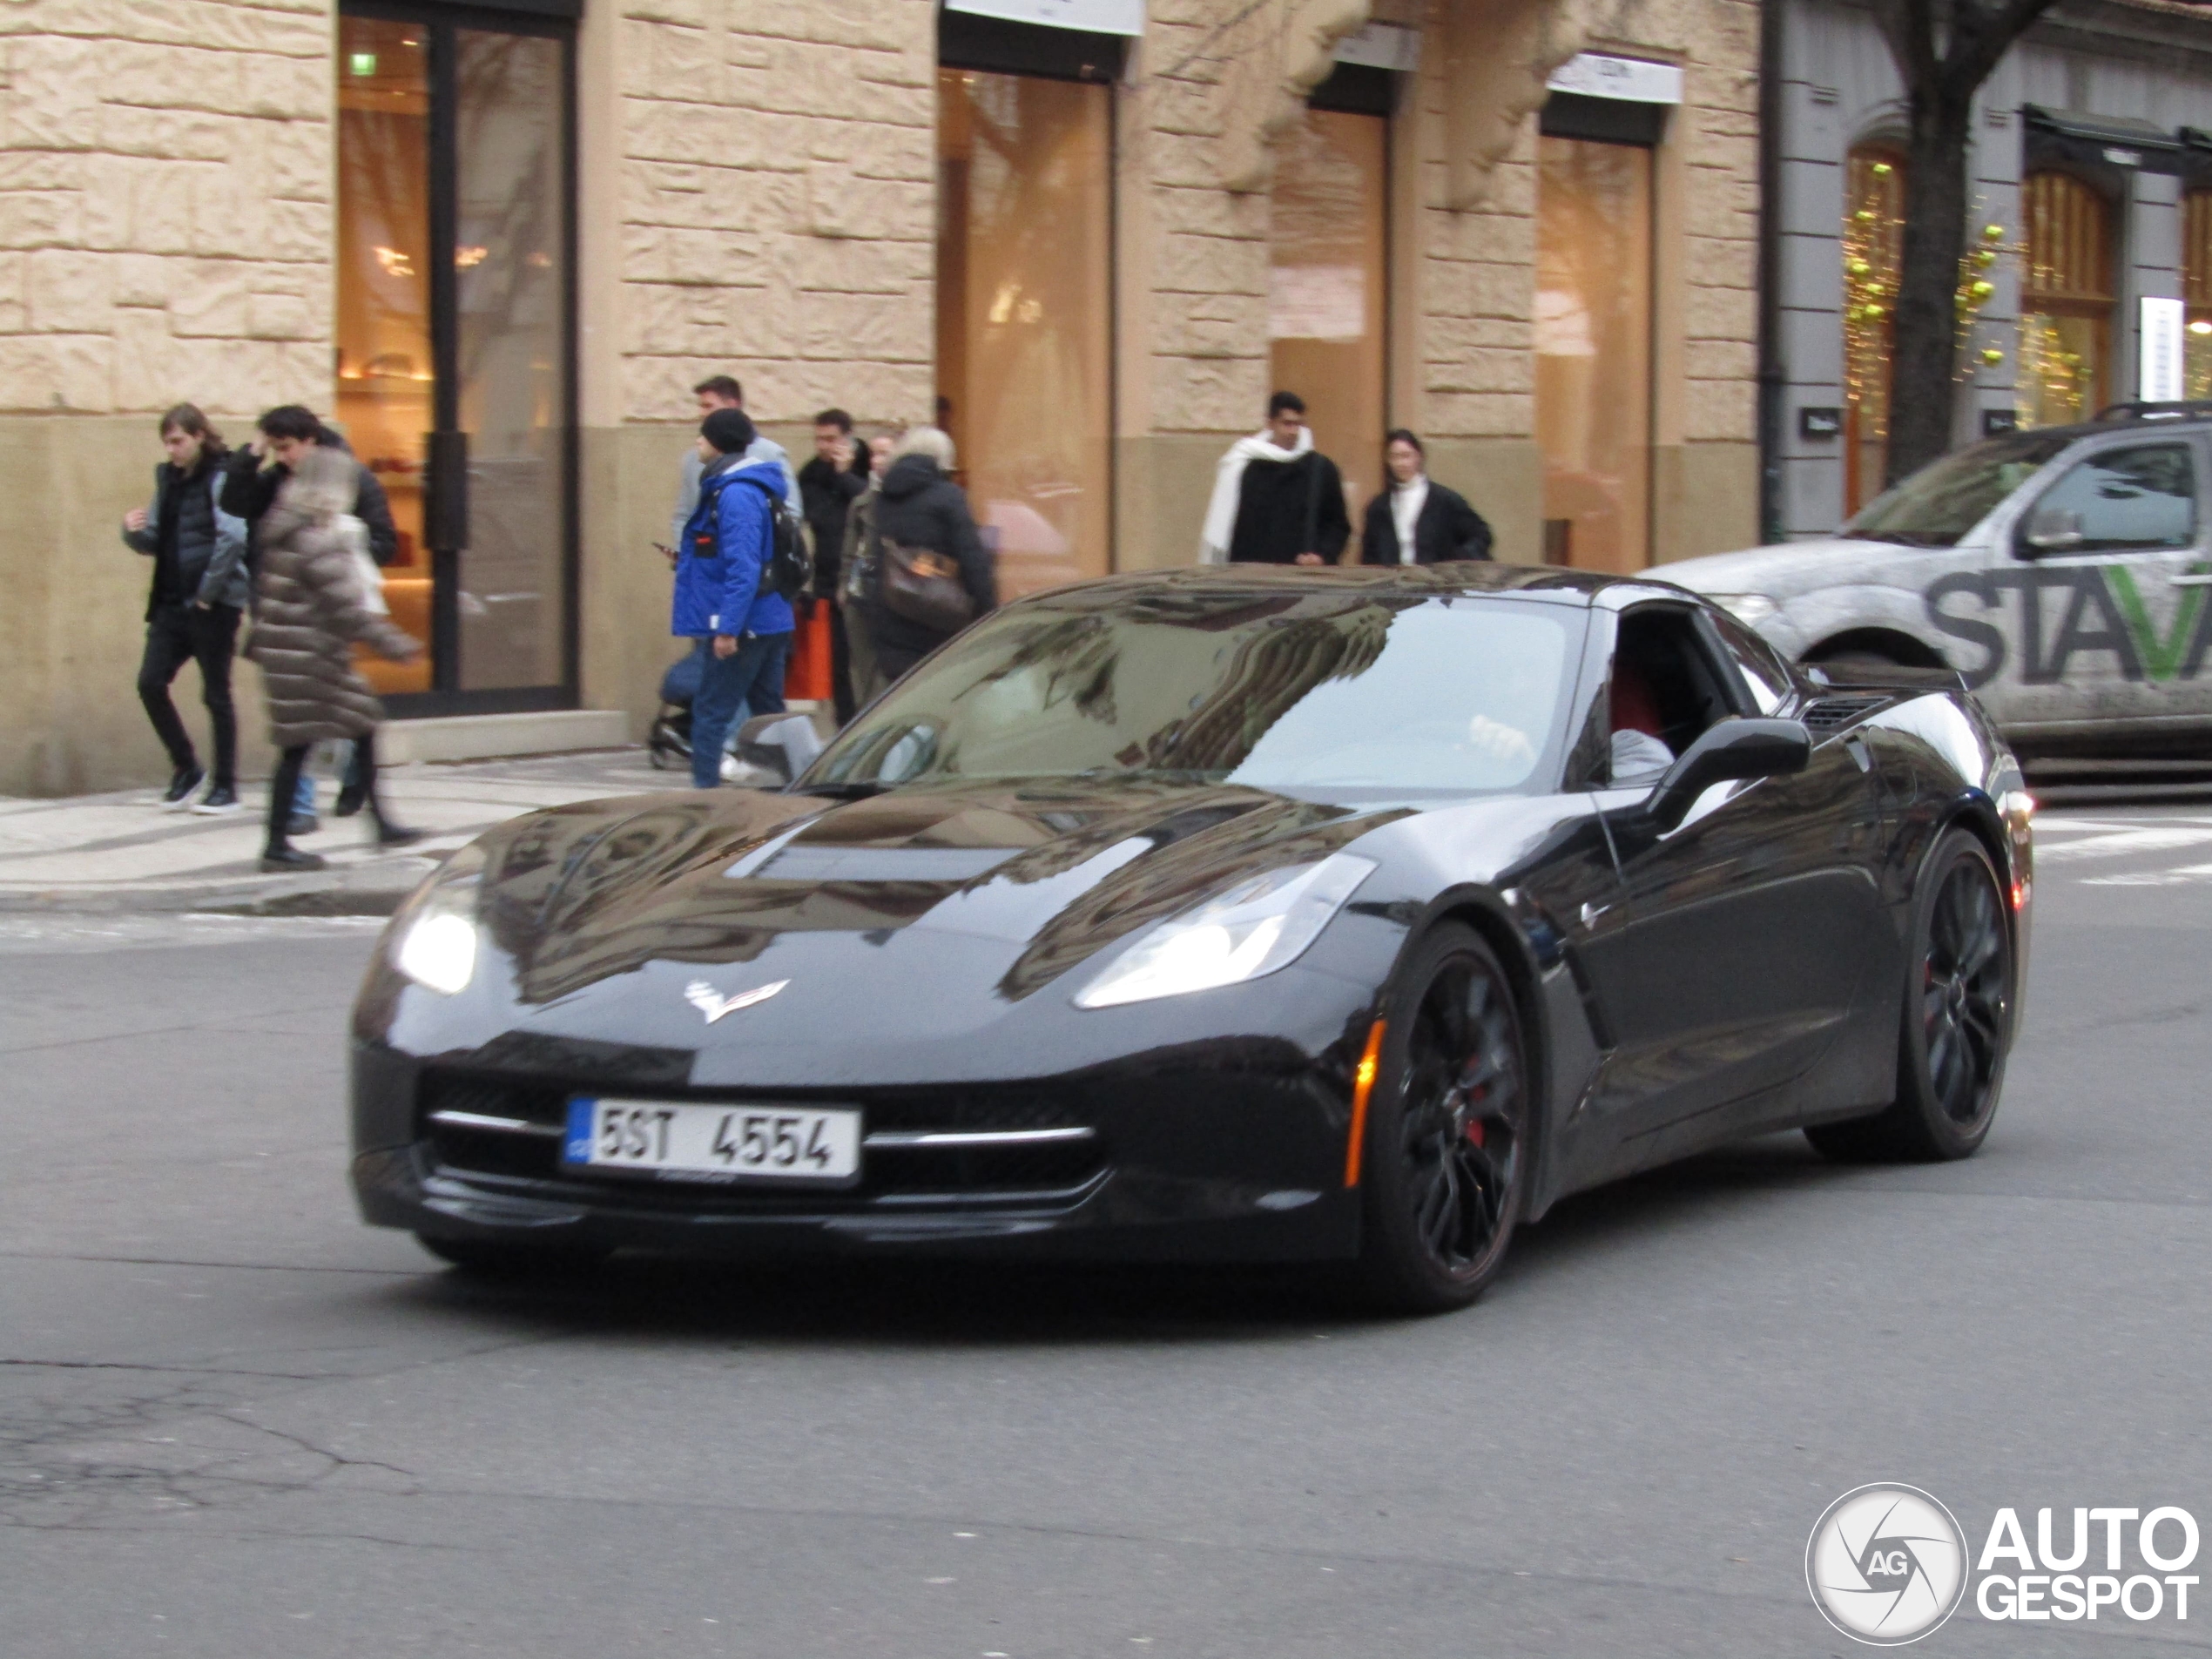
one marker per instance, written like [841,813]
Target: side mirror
[1730,749]
[2052,529]
[785,744]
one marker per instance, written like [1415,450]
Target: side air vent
[1834,713]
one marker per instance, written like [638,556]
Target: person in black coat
[919,506]
[254,475]
[1444,528]
[828,485]
[1289,496]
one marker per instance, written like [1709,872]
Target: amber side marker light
[1363,1084]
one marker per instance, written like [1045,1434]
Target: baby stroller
[669,745]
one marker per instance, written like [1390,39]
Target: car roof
[2134,417]
[1579,588]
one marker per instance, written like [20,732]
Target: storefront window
[1593,351]
[1024,316]
[2196,291]
[1326,286]
[1873,253]
[2066,302]
[385,370]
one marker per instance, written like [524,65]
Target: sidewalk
[121,852]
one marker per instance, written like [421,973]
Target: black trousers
[286,785]
[175,635]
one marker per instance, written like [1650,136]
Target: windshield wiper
[845,790]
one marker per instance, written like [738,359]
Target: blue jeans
[752,674]
[303,800]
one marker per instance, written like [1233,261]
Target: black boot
[282,858]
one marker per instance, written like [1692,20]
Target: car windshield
[1322,691]
[1944,500]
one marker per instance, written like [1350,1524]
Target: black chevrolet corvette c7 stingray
[1339,916]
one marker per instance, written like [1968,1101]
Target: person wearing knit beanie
[731,431]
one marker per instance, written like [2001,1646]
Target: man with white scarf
[1276,499]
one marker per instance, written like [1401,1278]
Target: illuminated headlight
[1254,928]
[1749,609]
[434,939]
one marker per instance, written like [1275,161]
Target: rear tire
[1445,1160]
[1957,1019]
[500,1259]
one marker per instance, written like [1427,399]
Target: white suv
[2064,573]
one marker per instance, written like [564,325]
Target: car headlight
[1749,609]
[1259,925]
[433,942]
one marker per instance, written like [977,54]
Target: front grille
[1833,713]
[888,1174]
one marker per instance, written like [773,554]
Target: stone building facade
[2093,195]
[760,187]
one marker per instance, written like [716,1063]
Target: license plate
[733,1143]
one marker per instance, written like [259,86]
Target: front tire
[1445,1156]
[1958,1019]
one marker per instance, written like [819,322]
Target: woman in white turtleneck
[1416,521]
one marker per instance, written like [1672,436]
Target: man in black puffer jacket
[921,507]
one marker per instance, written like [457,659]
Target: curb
[373,889]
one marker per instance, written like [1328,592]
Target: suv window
[1947,498]
[2141,496]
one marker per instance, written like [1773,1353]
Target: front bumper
[1234,1153]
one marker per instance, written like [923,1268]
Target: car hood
[1023,882]
[1790,567]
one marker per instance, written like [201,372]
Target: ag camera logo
[1886,1564]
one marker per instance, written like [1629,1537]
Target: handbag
[923,586]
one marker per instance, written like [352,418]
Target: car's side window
[1667,688]
[1765,678]
[2140,496]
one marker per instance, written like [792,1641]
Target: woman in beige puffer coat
[310,608]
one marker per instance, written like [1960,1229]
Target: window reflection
[1593,351]
[1024,315]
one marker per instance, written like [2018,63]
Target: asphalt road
[234,1423]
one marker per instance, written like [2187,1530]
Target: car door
[1744,939]
[2103,596]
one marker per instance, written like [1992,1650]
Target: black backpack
[790,570]
[791,561]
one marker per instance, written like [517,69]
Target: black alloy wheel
[1958,1021]
[1445,1162]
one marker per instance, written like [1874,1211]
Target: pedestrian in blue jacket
[720,594]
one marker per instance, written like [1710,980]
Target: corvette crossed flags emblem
[714,1005]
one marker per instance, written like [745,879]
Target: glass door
[454,344]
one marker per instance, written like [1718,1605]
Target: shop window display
[2066,302]
[1024,313]
[1593,336]
[1326,310]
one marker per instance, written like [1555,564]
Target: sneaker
[290,861]
[302,824]
[217,801]
[182,782]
